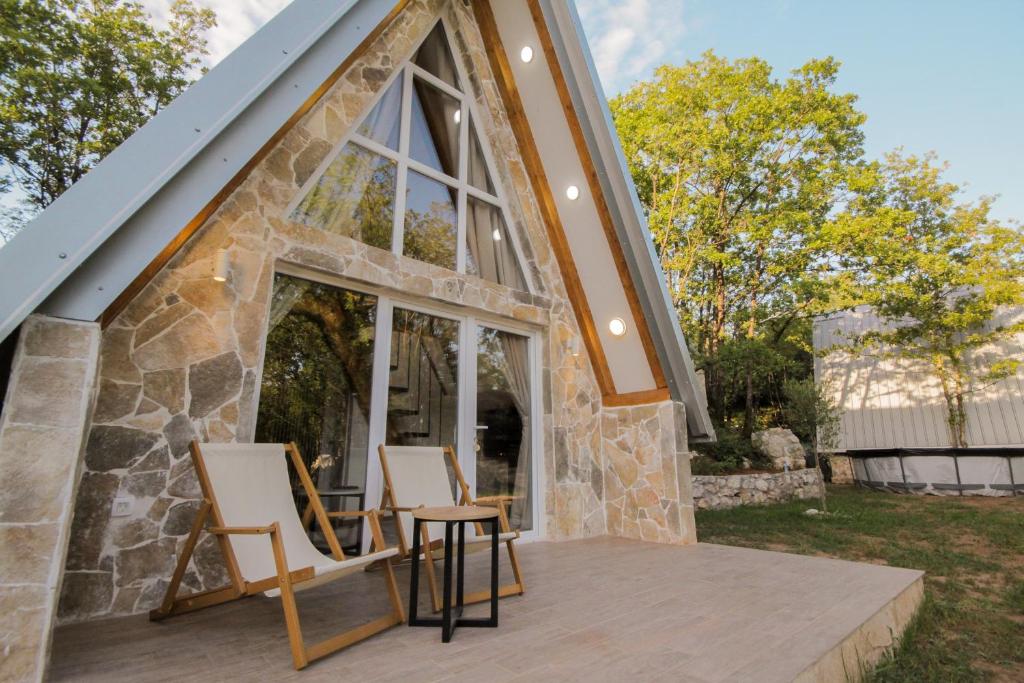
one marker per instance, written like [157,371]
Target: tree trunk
[953,393]
[817,464]
[748,403]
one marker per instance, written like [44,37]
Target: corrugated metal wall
[894,403]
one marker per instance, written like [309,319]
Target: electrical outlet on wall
[122,506]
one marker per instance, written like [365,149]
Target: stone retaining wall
[732,490]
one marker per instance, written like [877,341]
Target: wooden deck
[595,610]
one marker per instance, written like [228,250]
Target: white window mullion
[420,72]
[378,405]
[431,172]
[467,411]
[398,231]
[375,146]
[486,196]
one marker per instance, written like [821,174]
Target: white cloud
[627,37]
[630,37]
[236,21]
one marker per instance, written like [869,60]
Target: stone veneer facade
[46,412]
[182,360]
[732,490]
[647,473]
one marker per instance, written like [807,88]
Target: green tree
[814,417]
[77,78]
[737,170]
[936,270]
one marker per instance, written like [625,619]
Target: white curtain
[489,248]
[517,373]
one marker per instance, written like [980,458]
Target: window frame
[469,320]
[408,71]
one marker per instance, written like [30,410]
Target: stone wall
[182,360]
[732,490]
[45,417]
[647,473]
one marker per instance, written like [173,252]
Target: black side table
[452,516]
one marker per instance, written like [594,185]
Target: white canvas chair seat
[253,489]
[417,476]
[248,497]
[327,570]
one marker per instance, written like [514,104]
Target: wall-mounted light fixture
[617,326]
[496,235]
[526,54]
[221,265]
[572,192]
[574,346]
[457,116]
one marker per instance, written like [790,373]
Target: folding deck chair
[247,498]
[417,476]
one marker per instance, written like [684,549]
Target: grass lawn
[971,624]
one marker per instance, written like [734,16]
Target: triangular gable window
[414,176]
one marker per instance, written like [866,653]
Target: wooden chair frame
[286,578]
[430,547]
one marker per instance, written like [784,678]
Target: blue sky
[938,75]
[931,75]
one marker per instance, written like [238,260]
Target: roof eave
[584,86]
[83,250]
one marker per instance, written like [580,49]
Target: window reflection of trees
[354,197]
[430,236]
[317,371]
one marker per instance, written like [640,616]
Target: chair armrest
[496,499]
[349,513]
[245,530]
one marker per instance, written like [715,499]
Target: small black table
[452,516]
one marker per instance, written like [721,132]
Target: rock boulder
[781,446]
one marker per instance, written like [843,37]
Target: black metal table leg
[460,570]
[414,581]
[449,621]
[494,573]
[446,610]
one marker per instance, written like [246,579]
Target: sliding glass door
[345,371]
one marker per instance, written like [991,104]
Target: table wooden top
[457,513]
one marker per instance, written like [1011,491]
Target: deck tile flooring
[604,609]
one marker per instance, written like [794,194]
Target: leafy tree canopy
[935,269]
[737,169]
[77,78]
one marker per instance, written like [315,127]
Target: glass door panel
[503,403]
[423,385]
[316,388]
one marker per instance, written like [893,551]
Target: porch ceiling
[598,609]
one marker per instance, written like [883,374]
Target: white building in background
[894,416]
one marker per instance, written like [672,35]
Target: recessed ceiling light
[526,54]
[572,192]
[457,115]
[496,235]
[617,326]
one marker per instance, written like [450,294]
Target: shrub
[726,454]
[703,465]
